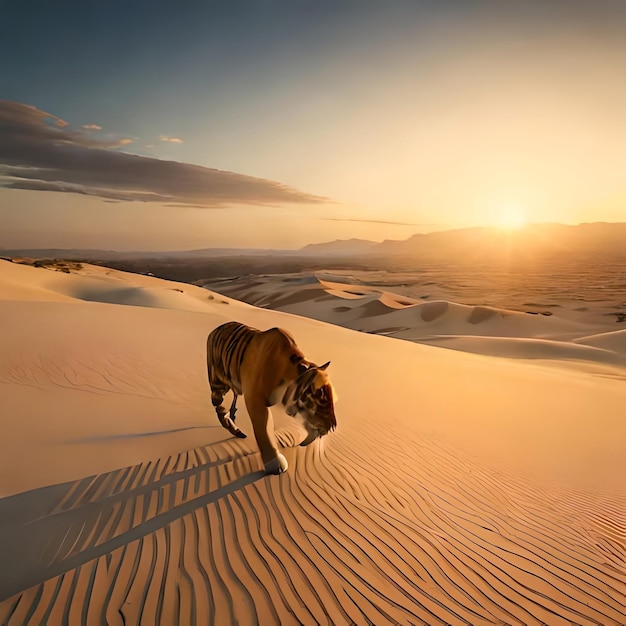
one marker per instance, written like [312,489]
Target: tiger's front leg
[273,460]
[217,397]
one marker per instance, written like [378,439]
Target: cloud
[170,139]
[91,127]
[39,152]
[348,219]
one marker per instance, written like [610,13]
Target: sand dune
[457,489]
[479,329]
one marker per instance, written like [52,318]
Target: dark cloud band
[39,152]
[366,221]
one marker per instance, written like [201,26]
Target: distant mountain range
[595,237]
[599,237]
[340,246]
[113,255]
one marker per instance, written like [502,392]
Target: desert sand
[477,485]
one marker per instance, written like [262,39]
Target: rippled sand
[458,488]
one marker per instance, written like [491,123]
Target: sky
[154,125]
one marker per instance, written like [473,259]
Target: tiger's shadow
[51,530]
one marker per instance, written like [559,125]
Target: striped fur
[267,367]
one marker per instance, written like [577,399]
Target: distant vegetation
[58,265]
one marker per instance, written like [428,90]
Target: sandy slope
[457,489]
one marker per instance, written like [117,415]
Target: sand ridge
[472,328]
[126,503]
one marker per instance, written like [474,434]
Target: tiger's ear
[323,367]
[299,362]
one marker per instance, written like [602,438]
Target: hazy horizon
[509,234]
[280,125]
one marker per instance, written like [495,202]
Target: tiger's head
[313,397]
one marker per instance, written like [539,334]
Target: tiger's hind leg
[233,406]
[217,397]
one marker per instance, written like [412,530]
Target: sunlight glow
[511,218]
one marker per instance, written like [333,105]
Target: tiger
[267,367]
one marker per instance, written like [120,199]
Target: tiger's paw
[277,465]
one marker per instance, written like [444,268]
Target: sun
[511,218]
